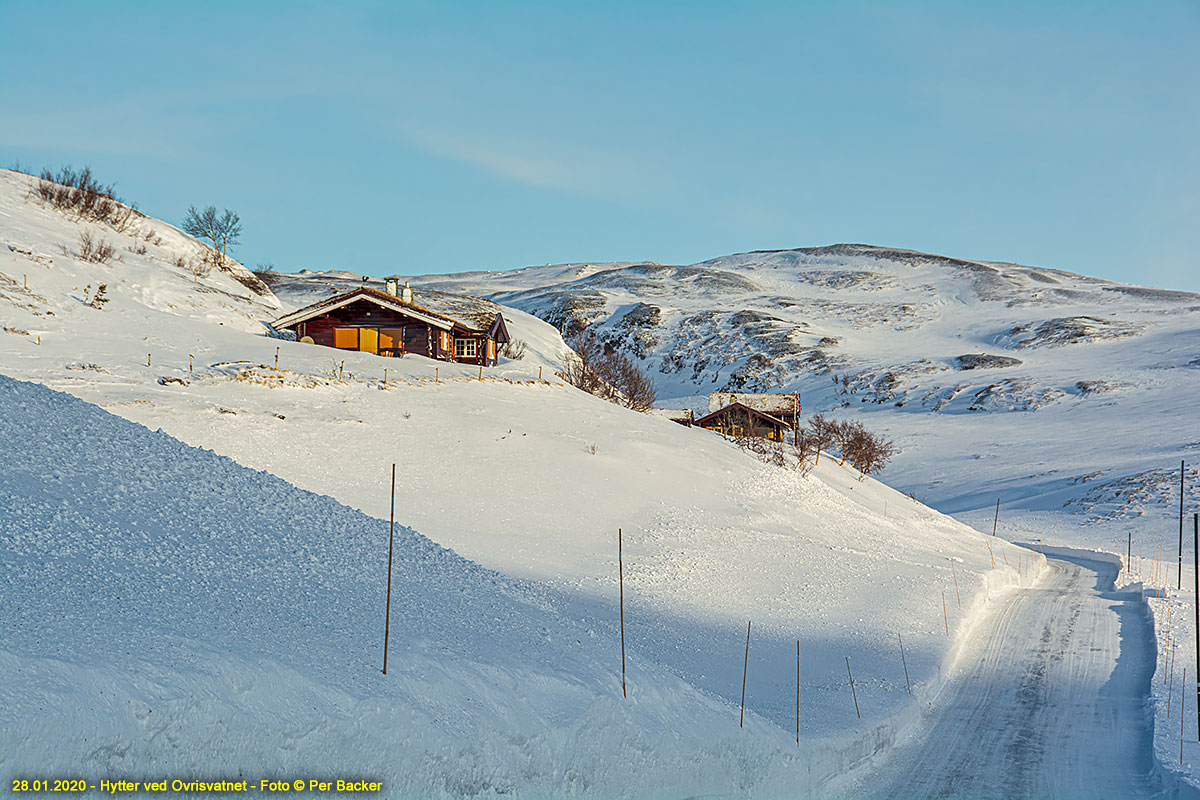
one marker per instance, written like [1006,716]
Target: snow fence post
[621,579]
[945,616]
[387,614]
[853,693]
[904,661]
[996,520]
[953,572]
[797,693]
[745,668]
[276,358]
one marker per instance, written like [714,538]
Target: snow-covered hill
[991,376]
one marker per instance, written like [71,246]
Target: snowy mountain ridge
[929,348]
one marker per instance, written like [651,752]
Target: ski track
[1048,701]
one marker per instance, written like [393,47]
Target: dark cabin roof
[382,299]
[754,414]
[498,331]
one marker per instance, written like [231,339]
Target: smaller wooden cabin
[737,420]
[390,324]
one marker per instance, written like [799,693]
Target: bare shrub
[138,248]
[820,430]
[96,251]
[513,349]
[867,452]
[608,374]
[222,230]
[80,193]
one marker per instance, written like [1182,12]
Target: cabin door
[368,340]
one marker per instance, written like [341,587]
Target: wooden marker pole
[945,616]
[621,579]
[745,669]
[996,520]
[26,282]
[276,358]
[853,693]
[954,572]
[481,372]
[147,359]
[189,362]
[387,614]
[539,373]
[904,661]
[797,693]
[436,378]
[385,376]
[341,366]
[1182,702]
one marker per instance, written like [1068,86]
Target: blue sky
[436,136]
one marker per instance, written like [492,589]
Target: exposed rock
[985,361]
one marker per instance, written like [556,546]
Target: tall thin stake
[797,693]
[996,520]
[904,661]
[945,616]
[853,693]
[276,358]
[1182,702]
[745,668]
[1129,558]
[953,572]
[621,577]
[189,362]
[387,615]
[991,554]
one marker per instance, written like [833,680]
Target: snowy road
[1050,702]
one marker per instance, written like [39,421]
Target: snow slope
[533,479]
[183,616]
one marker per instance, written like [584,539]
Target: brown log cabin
[391,324]
[738,419]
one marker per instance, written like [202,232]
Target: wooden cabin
[390,324]
[737,420]
[785,407]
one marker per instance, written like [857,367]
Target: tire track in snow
[1047,701]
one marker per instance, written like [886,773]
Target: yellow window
[345,338]
[368,340]
[390,338]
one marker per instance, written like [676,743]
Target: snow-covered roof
[754,412]
[381,299]
[766,403]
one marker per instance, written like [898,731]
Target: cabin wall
[388,332]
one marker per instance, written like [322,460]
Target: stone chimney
[391,284]
[406,293]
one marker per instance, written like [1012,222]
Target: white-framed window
[464,348]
